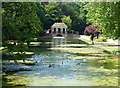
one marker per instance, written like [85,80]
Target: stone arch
[59,35]
[59,30]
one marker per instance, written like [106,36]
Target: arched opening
[59,30]
[54,30]
[49,31]
[63,30]
[59,35]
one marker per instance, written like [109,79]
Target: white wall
[60,28]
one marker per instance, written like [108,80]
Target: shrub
[101,39]
[21,47]
[92,31]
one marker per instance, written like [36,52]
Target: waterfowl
[78,64]
[51,65]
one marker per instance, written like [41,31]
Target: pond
[65,62]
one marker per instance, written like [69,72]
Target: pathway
[109,41]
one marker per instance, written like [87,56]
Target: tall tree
[57,12]
[77,14]
[67,20]
[53,13]
[105,14]
[20,20]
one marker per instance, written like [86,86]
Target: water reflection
[58,41]
[53,68]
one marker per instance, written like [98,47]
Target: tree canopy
[20,21]
[25,20]
[67,12]
[105,15]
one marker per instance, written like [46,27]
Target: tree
[53,13]
[57,12]
[20,21]
[105,15]
[67,20]
[77,14]
[41,13]
[92,31]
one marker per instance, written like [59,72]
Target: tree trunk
[92,38]
[92,42]
[28,43]
[14,43]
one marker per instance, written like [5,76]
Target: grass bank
[107,48]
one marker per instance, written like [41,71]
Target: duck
[78,64]
[51,65]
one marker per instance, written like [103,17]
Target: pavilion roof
[59,25]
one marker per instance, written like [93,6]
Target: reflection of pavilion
[57,42]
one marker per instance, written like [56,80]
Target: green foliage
[77,14]
[20,48]
[53,13]
[40,39]
[100,39]
[67,20]
[105,15]
[23,21]
[10,48]
[5,43]
[70,13]
[20,20]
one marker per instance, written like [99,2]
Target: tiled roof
[59,25]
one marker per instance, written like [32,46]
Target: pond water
[64,62]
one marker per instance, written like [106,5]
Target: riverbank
[110,45]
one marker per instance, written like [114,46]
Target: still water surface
[53,68]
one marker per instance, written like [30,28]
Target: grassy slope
[107,48]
